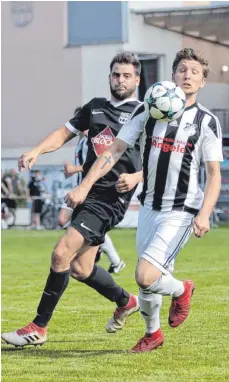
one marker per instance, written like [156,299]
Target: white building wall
[95,70]
[41,79]
[215,96]
[146,5]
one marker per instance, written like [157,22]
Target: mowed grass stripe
[79,349]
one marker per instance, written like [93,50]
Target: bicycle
[49,213]
[8,216]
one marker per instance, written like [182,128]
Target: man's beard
[123,95]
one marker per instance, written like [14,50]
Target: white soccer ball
[165,101]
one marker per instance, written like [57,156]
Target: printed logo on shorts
[102,141]
[124,118]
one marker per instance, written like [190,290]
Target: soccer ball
[165,101]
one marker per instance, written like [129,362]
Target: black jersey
[104,120]
[35,187]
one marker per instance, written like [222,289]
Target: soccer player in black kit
[103,208]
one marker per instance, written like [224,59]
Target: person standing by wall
[34,193]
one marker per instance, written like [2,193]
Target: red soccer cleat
[149,342]
[120,315]
[180,306]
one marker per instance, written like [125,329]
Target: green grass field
[78,347]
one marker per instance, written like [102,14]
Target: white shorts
[161,235]
[64,205]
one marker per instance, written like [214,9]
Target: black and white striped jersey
[171,153]
[80,157]
[103,119]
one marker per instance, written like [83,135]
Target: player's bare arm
[100,168]
[71,169]
[211,194]
[52,142]
[126,182]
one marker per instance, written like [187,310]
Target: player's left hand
[76,196]
[201,225]
[126,182]
[69,169]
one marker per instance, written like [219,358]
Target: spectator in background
[4,188]
[4,199]
[15,187]
[35,190]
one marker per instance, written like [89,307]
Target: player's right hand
[126,182]
[76,196]
[201,225]
[27,160]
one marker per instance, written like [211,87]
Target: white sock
[109,249]
[150,305]
[166,285]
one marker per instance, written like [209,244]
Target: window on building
[149,74]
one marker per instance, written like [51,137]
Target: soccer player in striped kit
[172,203]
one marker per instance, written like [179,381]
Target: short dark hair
[76,111]
[127,58]
[190,54]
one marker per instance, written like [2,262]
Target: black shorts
[96,216]
[11,203]
[37,206]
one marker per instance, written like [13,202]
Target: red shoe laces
[27,329]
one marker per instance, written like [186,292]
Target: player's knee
[59,257]
[79,272]
[143,282]
[146,276]
[142,279]
[76,271]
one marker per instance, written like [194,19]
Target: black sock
[103,283]
[55,286]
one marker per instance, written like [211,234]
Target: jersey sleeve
[133,128]
[81,120]
[212,139]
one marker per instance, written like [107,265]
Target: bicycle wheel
[48,219]
[11,217]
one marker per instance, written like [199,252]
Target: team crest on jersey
[123,118]
[102,141]
[190,128]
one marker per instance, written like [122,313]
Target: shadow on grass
[58,353]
